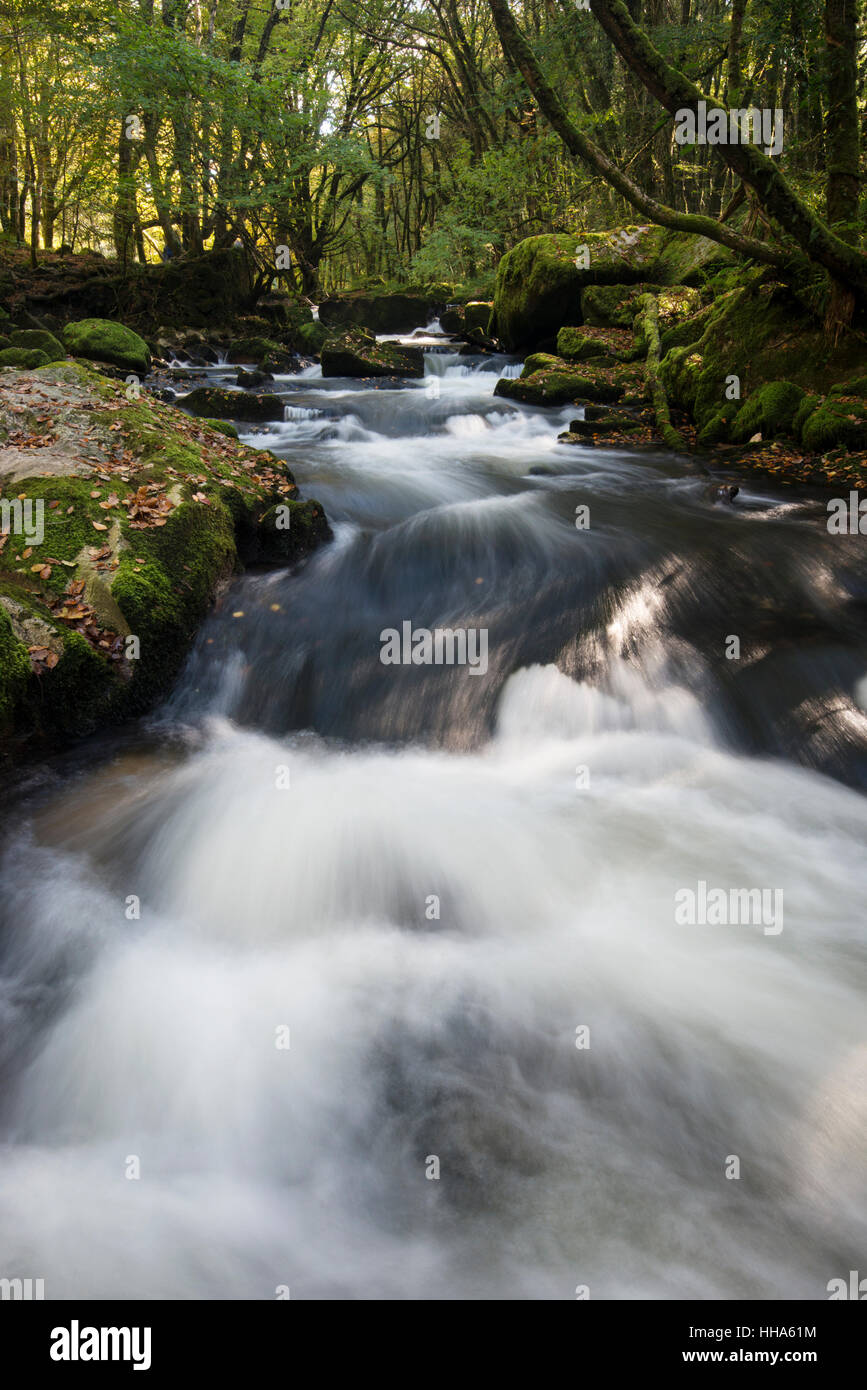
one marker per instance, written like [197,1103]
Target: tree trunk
[676,92]
[841,122]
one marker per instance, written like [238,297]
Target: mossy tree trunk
[647,333]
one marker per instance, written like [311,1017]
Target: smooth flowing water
[407,1011]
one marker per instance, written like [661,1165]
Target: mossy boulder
[769,411]
[540,362]
[311,337]
[575,346]
[809,403]
[37,339]
[840,422]
[555,382]
[757,333]
[718,429]
[27,358]
[540,281]
[357,354]
[477,314]
[452,319]
[259,351]
[856,386]
[103,340]
[609,306]
[215,402]
[144,512]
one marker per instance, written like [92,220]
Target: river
[366,981]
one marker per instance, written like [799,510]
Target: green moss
[477,315]
[837,423]
[684,333]
[82,691]
[310,338]
[165,576]
[103,340]
[758,333]
[165,599]
[538,362]
[558,385]
[609,306]
[770,410]
[808,404]
[37,339]
[856,386]
[27,359]
[222,427]
[14,673]
[718,428]
[68,515]
[575,346]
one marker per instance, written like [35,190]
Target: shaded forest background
[393,140]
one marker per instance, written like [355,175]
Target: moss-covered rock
[358,354]
[758,333]
[718,428]
[452,320]
[27,358]
[37,339]
[575,346]
[477,314]
[311,338]
[839,422]
[685,331]
[769,411]
[540,281]
[855,386]
[809,403]
[145,511]
[215,402]
[103,340]
[540,362]
[14,672]
[558,383]
[263,352]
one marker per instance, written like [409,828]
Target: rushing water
[433,877]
